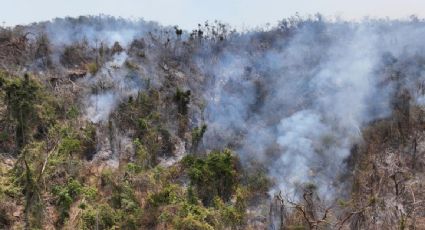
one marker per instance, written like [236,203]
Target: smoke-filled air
[109,123]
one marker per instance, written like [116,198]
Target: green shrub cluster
[197,134]
[207,203]
[67,194]
[51,165]
[213,176]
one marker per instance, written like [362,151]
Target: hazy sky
[187,13]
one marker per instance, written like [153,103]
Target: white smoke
[294,99]
[301,138]
[322,86]
[316,141]
[116,84]
[100,106]
[96,29]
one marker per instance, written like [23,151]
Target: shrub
[197,134]
[144,159]
[256,180]
[65,196]
[191,223]
[69,145]
[213,176]
[102,217]
[168,195]
[92,68]
[231,215]
[134,168]
[72,112]
[182,100]
[123,198]
[106,177]
[21,96]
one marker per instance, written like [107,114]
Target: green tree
[21,96]
[213,176]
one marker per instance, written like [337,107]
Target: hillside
[107,123]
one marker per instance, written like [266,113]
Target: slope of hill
[108,124]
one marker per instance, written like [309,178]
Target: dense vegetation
[90,141]
[49,170]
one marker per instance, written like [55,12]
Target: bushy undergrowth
[51,169]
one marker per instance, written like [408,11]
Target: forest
[109,123]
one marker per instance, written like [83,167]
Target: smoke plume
[294,98]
